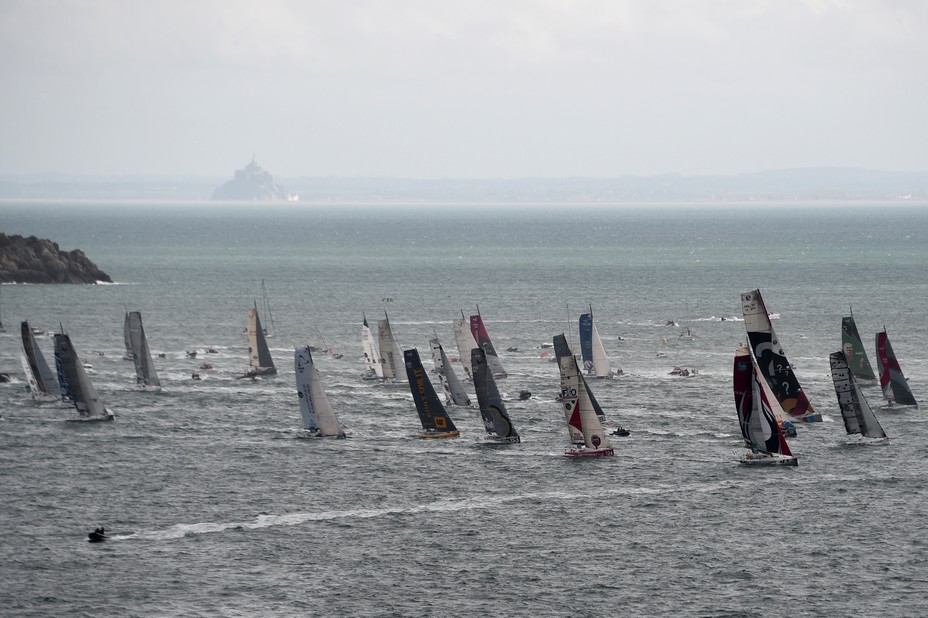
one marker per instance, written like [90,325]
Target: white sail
[318,415]
[30,377]
[371,356]
[145,373]
[82,391]
[259,355]
[466,342]
[601,367]
[578,408]
[391,356]
[454,390]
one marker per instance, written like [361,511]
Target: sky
[461,89]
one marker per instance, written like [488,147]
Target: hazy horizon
[420,89]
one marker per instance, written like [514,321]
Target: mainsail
[389,350]
[495,418]
[892,381]
[454,390]
[82,393]
[42,382]
[582,422]
[125,337]
[854,351]
[758,425]
[145,373]
[318,416]
[435,420]
[771,359]
[371,356]
[466,342]
[595,361]
[482,337]
[259,355]
[858,417]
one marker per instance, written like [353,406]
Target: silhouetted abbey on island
[37,260]
[253,183]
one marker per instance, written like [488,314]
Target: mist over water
[218,505]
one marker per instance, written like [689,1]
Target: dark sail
[432,413]
[495,418]
[33,354]
[856,412]
[758,424]
[854,351]
[893,382]
[586,340]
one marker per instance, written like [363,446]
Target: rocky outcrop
[253,183]
[37,260]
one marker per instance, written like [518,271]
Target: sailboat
[145,374]
[595,361]
[495,418]
[260,362]
[853,348]
[42,382]
[318,416]
[772,361]
[435,420]
[267,312]
[482,337]
[562,350]
[858,417]
[466,342]
[125,337]
[372,359]
[587,436]
[763,439]
[454,390]
[390,354]
[79,388]
[892,381]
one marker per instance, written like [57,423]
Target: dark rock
[37,260]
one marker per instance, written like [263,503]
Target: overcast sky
[466,88]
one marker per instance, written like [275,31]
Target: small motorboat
[524,394]
[620,431]
[97,536]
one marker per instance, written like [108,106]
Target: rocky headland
[38,260]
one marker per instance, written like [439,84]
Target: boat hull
[760,459]
[502,439]
[600,452]
[96,537]
[263,371]
[430,435]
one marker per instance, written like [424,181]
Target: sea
[217,504]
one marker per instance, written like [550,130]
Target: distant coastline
[802,184]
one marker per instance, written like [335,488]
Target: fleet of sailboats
[894,384]
[856,412]
[771,359]
[763,441]
[432,414]
[319,418]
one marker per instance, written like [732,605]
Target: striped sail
[856,412]
[482,337]
[758,425]
[466,342]
[892,381]
[315,409]
[145,373]
[371,356]
[435,420]
[492,410]
[82,393]
[771,359]
[42,381]
[854,350]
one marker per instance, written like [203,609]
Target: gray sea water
[218,506]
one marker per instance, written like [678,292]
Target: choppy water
[219,507]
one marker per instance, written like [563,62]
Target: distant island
[38,260]
[252,183]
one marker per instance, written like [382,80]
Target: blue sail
[586,340]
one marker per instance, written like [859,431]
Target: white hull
[763,459]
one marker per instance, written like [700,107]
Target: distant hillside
[254,183]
